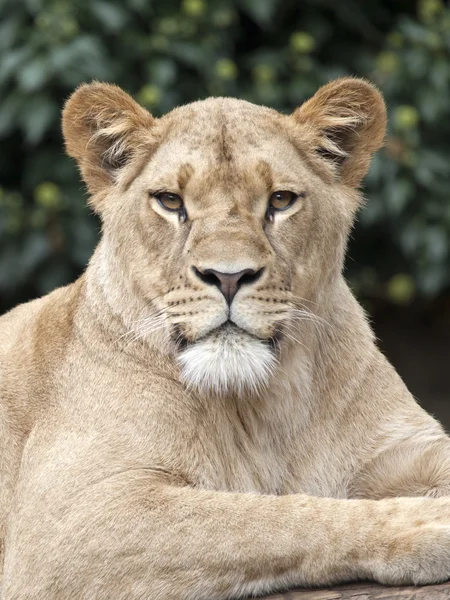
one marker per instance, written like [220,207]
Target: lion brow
[185,173]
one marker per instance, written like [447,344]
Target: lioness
[204,414]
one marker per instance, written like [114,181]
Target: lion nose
[228,283]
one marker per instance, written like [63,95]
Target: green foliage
[274,52]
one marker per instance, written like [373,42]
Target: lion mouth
[228,331]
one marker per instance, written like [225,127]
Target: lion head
[224,223]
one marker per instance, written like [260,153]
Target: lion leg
[133,536]
[413,467]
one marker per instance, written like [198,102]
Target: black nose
[228,283]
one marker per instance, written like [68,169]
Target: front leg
[417,464]
[135,536]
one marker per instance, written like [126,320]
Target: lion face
[227,220]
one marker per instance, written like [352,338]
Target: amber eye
[281,200]
[170,201]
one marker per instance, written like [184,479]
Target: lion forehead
[221,135]
[218,122]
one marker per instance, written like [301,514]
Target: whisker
[289,334]
[146,325]
[308,318]
[139,327]
[291,295]
[141,334]
[307,312]
[320,327]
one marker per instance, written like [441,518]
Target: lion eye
[281,200]
[170,201]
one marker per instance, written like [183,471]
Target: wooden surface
[367,591]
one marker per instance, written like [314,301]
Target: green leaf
[162,72]
[437,244]
[9,31]
[401,192]
[262,11]
[432,279]
[10,108]
[34,251]
[112,16]
[12,61]
[190,54]
[40,115]
[35,74]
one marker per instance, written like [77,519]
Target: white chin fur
[228,362]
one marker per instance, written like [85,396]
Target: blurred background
[273,52]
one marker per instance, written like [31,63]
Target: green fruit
[226,69]
[401,288]
[302,42]
[48,195]
[406,117]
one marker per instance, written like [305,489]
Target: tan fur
[118,477]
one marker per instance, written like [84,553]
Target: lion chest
[289,453]
[214,443]
[237,450]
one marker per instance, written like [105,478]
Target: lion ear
[103,127]
[347,118]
